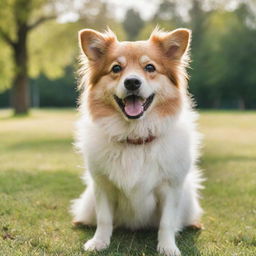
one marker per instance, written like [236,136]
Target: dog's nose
[132,84]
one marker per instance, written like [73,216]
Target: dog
[138,137]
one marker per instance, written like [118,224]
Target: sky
[148,7]
[145,7]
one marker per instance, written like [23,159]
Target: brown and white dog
[138,137]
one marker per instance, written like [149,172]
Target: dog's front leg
[169,200]
[104,215]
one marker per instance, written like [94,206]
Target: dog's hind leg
[83,208]
[190,209]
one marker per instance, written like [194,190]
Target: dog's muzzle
[133,105]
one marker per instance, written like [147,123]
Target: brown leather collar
[140,141]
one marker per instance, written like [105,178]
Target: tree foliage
[6,67]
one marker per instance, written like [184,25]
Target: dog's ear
[94,44]
[174,44]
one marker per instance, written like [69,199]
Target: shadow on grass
[187,242]
[37,144]
[56,183]
[141,243]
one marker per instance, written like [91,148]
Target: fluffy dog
[138,137]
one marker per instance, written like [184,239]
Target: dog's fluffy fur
[133,182]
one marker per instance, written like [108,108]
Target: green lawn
[39,175]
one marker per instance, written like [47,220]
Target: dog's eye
[150,68]
[116,69]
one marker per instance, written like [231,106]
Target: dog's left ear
[174,44]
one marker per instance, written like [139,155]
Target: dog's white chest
[131,169]
[135,173]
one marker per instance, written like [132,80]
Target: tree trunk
[241,103]
[216,103]
[20,99]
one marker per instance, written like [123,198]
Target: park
[40,169]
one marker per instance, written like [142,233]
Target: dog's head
[134,79]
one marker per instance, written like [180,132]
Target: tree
[238,65]
[132,24]
[17,21]
[205,95]
[168,11]
[166,17]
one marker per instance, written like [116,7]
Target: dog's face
[134,79]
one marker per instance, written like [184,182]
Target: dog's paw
[95,245]
[168,249]
[196,226]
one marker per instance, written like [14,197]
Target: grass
[39,175]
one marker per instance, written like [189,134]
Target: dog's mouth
[134,106]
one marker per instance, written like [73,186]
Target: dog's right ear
[94,44]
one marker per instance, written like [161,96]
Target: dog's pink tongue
[133,107]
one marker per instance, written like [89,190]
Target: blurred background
[39,49]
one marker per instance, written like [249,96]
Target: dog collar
[140,141]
